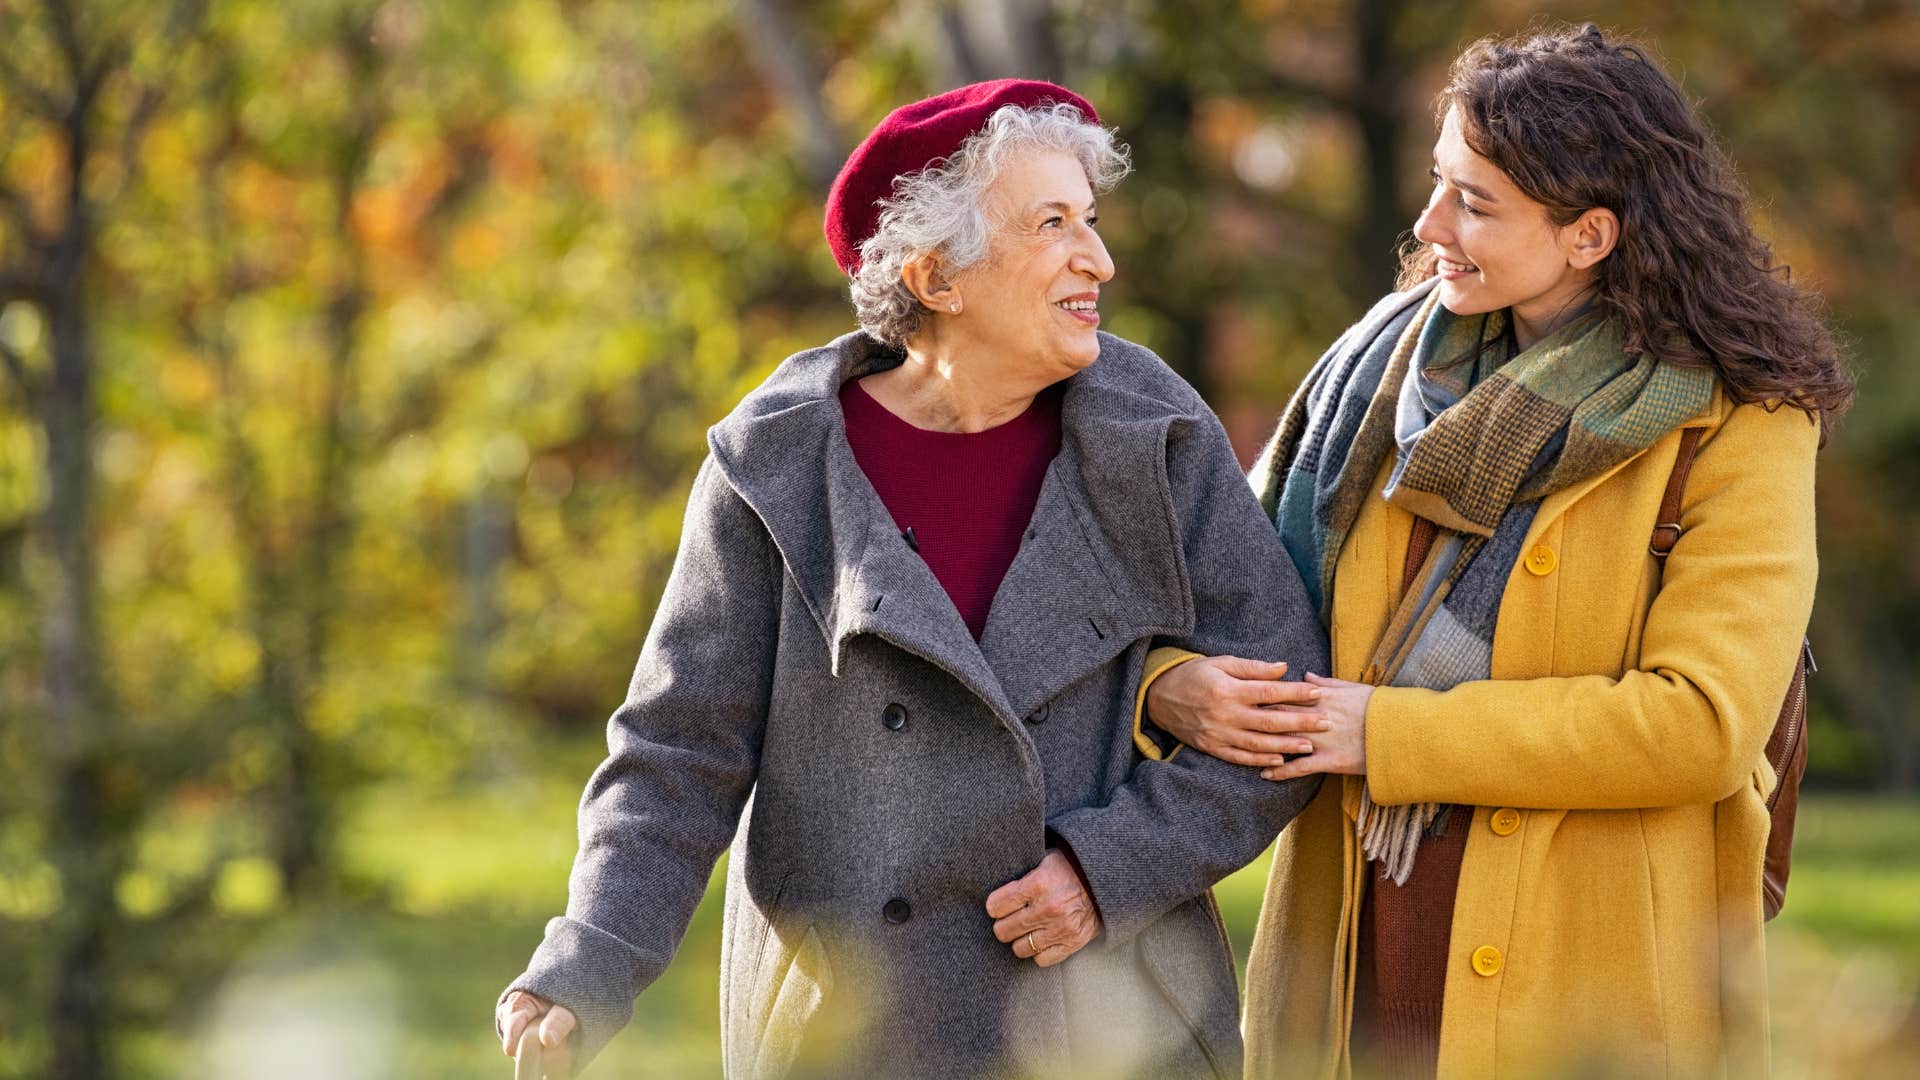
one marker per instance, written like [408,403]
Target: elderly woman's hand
[556,1023]
[1340,742]
[1047,915]
[1236,709]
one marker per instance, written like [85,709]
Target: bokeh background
[355,358]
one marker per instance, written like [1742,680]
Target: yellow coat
[1608,914]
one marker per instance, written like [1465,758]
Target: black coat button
[1039,715]
[897,911]
[894,716]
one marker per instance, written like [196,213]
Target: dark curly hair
[1579,121]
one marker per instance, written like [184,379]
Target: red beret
[913,137]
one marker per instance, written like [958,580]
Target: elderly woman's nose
[1092,258]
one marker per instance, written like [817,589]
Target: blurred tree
[89,90]
[1000,39]
[290,548]
[790,69]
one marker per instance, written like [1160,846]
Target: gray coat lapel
[1100,567]
[892,595]
[856,573]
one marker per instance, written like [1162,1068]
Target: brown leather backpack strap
[1787,753]
[1666,530]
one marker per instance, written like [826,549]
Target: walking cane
[526,1057]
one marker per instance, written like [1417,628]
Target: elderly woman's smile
[1084,307]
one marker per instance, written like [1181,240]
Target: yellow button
[1505,821]
[1541,560]
[1486,960]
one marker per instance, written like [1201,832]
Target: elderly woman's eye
[1093,220]
[1053,222]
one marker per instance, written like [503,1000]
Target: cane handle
[526,1056]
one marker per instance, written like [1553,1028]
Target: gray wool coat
[806,668]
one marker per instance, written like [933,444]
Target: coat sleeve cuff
[1153,743]
[1393,766]
[1108,866]
[590,972]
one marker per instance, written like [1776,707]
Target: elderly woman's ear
[926,279]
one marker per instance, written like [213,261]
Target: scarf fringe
[1390,835]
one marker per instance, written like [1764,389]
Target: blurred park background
[357,357]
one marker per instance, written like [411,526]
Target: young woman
[1545,850]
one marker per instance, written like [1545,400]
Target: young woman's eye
[1459,198]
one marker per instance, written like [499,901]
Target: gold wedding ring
[1032,949]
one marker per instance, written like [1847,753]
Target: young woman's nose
[1432,226]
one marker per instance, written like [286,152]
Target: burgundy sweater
[966,496]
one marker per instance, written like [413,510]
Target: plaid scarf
[1478,436]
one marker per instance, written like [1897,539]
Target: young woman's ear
[1591,237]
[924,278]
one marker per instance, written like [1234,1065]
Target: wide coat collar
[1099,568]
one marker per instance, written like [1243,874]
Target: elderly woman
[921,573]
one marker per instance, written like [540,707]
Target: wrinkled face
[1497,247]
[1035,296]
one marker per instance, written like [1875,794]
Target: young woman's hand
[1339,745]
[1236,709]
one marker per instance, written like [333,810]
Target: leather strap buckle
[1671,531]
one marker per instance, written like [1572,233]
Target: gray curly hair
[942,208]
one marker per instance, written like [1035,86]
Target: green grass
[406,987]
[1856,876]
[1846,950]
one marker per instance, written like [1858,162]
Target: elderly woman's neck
[938,390]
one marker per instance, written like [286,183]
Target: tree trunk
[486,545]
[303,842]
[1377,112]
[789,67]
[1170,289]
[1000,39]
[83,830]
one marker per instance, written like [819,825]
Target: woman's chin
[1458,298]
[1078,351]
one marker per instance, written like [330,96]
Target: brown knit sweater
[1401,966]
[1402,961]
